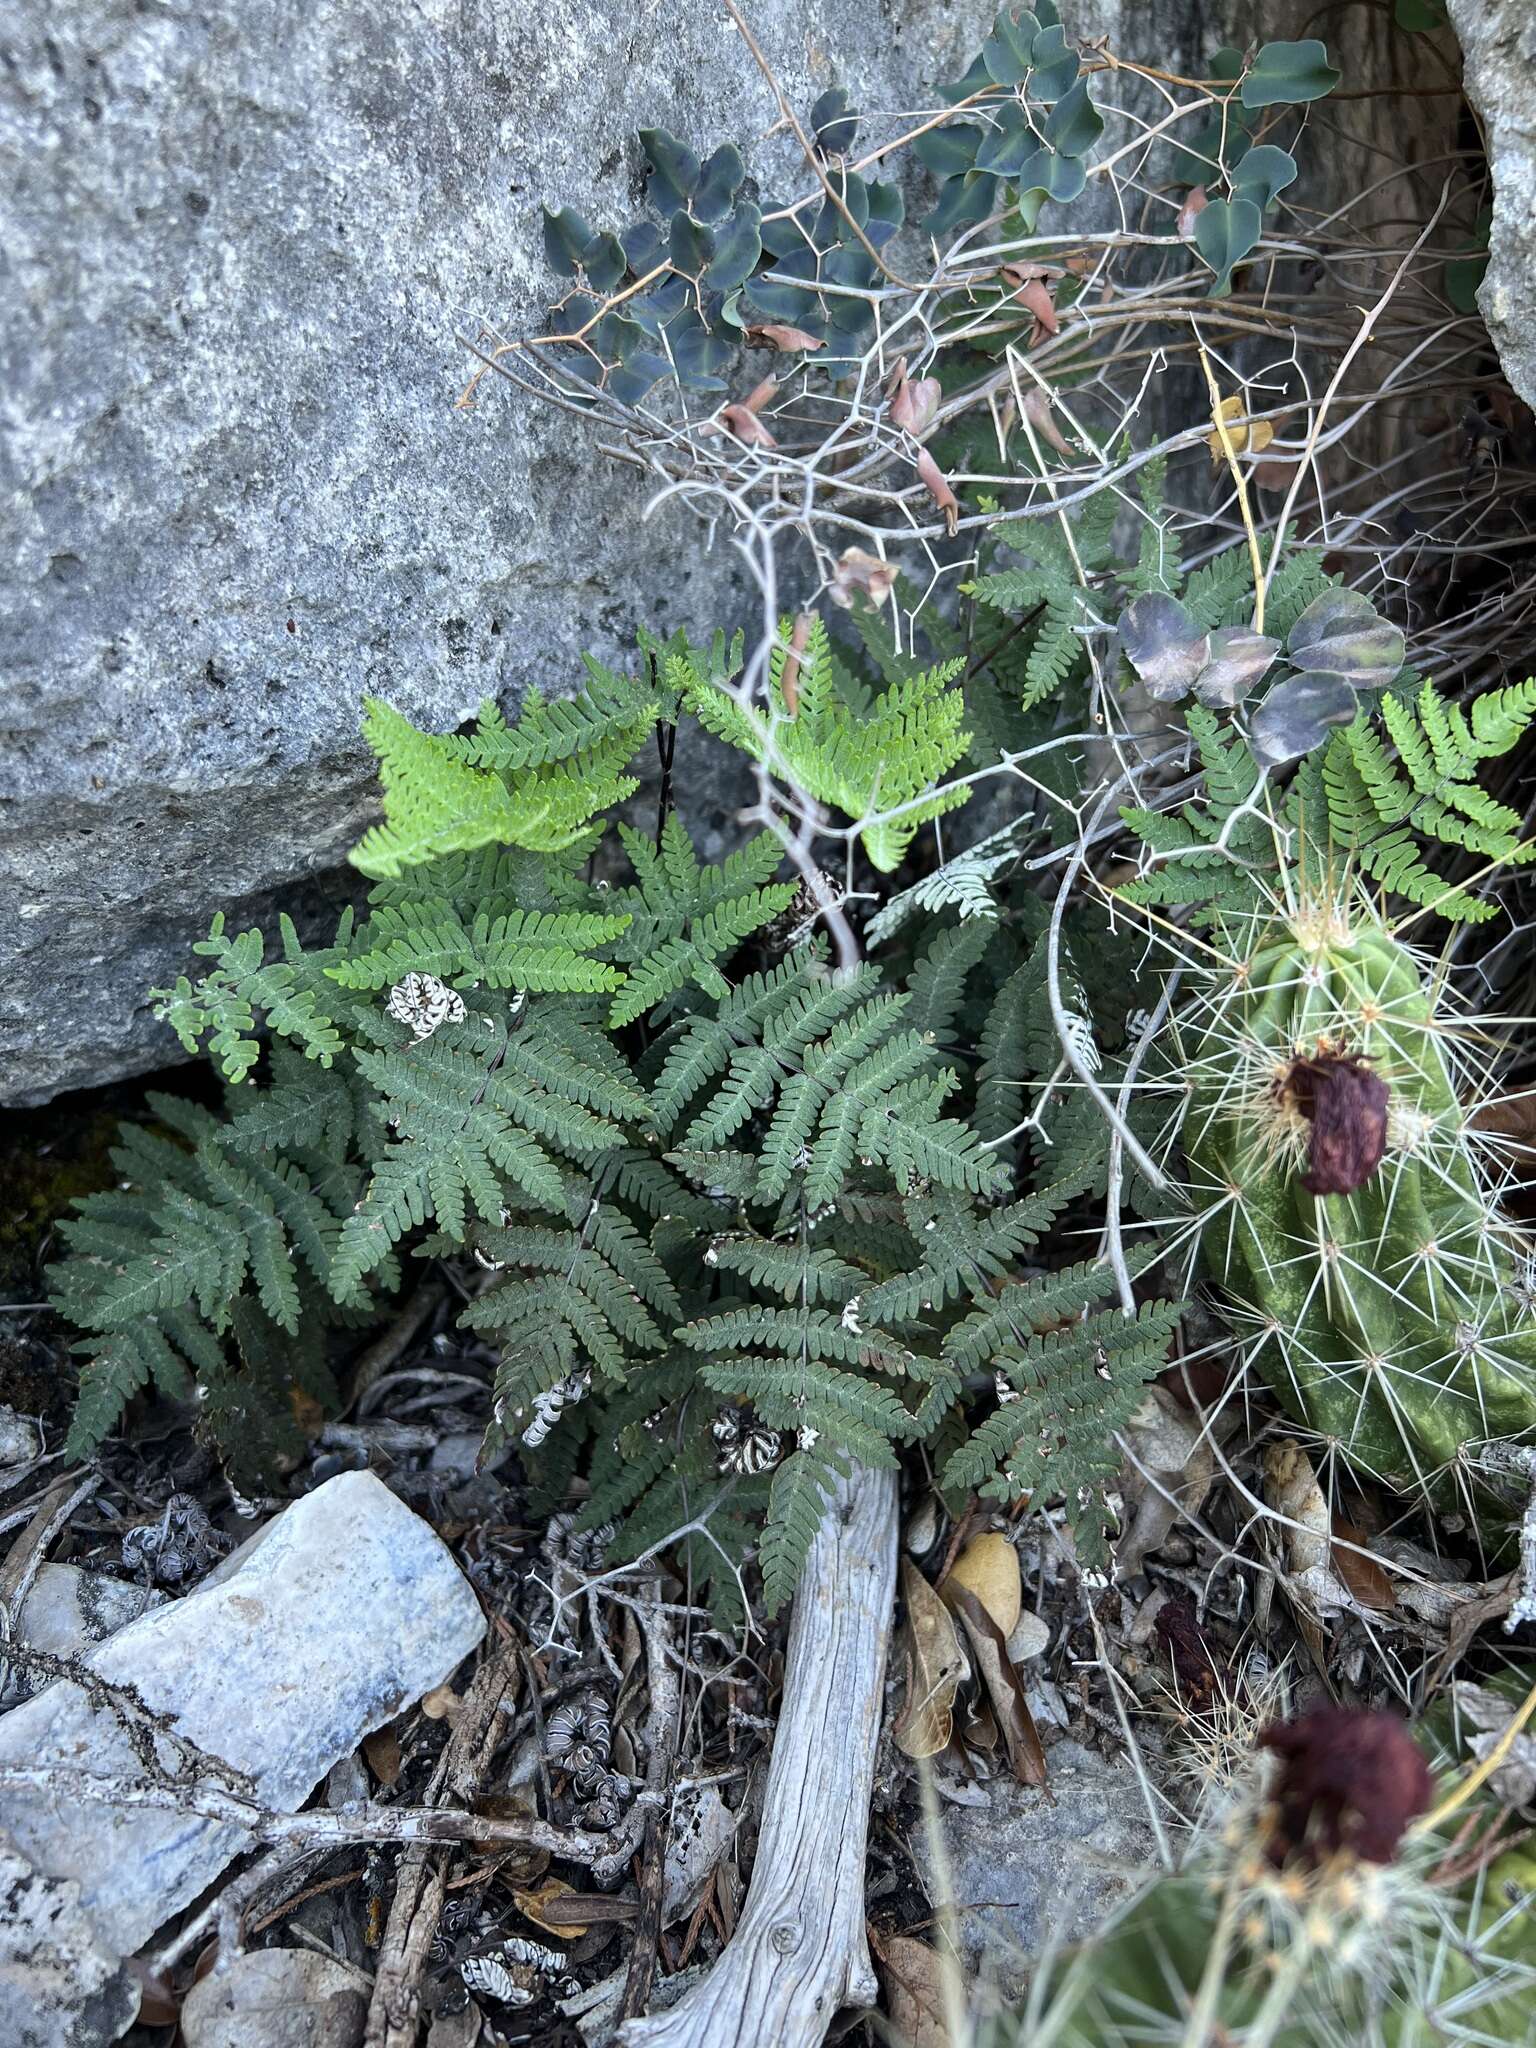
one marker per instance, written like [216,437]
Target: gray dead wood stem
[799,1952]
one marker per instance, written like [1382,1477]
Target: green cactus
[1375,1939]
[1343,1202]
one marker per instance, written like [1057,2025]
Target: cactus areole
[1346,1211]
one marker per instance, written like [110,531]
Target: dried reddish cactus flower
[1351,1779]
[1345,1102]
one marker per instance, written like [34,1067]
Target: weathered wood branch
[799,1952]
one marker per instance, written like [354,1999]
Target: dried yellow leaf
[1245,436]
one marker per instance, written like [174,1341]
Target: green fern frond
[871,756]
[1074,1388]
[1380,813]
[802,1486]
[222,1005]
[535,950]
[682,918]
[441,797]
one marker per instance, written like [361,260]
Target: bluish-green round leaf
[1074,124]
[643,246]
[604,261]
[1342,633]
[1008,144]
[834,123]
[1164,645]
[854,194]
[719,182]
[1288,75]
[566,234]
[738,245]
[963,201]
[887,210]
[1297,716]
[654,308]
[630,382]
[1008,50]
[1262,172]
[1055,67]
[1064,178]
[1226,231]
[950,151]
[572,313]
[674,169]
[699,355]
[690,245]
[1239,659]
[776,298]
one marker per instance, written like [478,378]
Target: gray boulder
[1498,41]
[241,244]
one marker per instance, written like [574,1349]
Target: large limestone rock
[1498,40]
[240,243]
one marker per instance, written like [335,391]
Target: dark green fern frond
[1072,1389]
[683,918]
[537,950]
[1377,812]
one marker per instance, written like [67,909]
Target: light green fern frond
[875,757]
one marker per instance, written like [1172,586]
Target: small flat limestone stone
[67,1611]
[59,1987]
[1027,1868]
[276,1998]
[329,1622]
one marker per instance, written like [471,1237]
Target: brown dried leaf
[539,1906]
[158,2004]
[914,406]
[913,1976]
[1005,1690]
[1036,299]
[1037,410]
[989,1567]
[789,677]
[783,338]
[761,394]
[744,424]
[382,1750]
[860,574]
[442,1703]
[1196,202]
[934,1668]
[938,489]
[1291,1488]
[1361,1573]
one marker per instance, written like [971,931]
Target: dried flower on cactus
[1345,1103]
[1349,1779]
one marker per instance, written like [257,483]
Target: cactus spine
[1344,1206]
